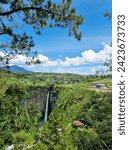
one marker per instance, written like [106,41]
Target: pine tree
[17,15]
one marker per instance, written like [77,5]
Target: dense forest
[79,120]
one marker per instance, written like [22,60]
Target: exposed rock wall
[38,97]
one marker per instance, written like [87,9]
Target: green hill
[80,120]
[15,68]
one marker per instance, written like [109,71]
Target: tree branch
[5,30]
[22,9]
[2,33]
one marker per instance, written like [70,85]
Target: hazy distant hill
[15,68]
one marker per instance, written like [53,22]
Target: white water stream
[46,109]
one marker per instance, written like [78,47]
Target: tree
[108,15]
[16,15]
[108,64]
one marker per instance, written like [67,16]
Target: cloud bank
[87,57]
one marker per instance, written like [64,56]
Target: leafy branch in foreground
[16,16]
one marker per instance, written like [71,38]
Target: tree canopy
[17,15]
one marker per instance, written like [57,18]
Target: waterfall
[46,112]
[46,109]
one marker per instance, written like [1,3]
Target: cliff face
[38,97]
[52,101]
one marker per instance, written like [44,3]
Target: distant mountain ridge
[15,68]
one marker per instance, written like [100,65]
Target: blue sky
[55,47]
[96,29]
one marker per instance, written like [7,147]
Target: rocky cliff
[38,97]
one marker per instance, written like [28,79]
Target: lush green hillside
[78,102]
[93,109]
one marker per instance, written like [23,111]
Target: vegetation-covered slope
[77,102]
[91,108]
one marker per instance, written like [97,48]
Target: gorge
[37,114]
[44,98]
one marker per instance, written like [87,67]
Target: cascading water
[46,112]
[46,109]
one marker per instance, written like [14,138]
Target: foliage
[108,15]
[76,101]
[108,64]
[92,108]
[16,120]
[23,137]
[17,15]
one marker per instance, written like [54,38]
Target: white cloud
[67,64]
[74,61]
[42,58]
[93,70]
[88,56]
[2,54]
[91,56]
[19,60]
